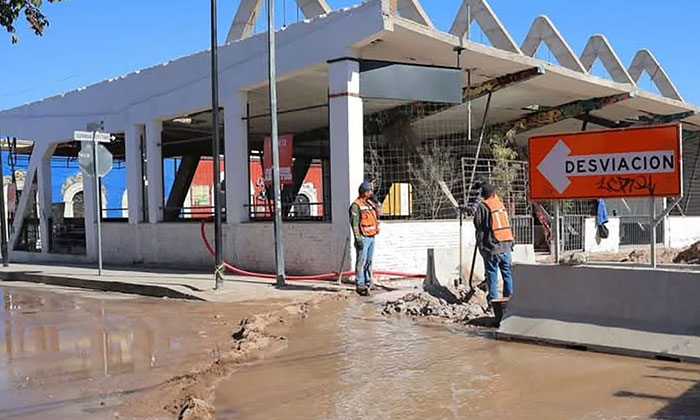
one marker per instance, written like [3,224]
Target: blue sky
[89,41]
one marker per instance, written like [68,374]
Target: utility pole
[218,269]
[3,222]
[274,139]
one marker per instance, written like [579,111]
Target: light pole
[218,269]
[272,81]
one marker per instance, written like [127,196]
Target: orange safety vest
[369,221]
[500,225]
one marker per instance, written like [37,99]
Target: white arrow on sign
[88,136]
[558,166]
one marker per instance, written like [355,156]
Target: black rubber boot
[362,290]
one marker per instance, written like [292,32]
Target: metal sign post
[96,161]
[556,230]
[272,77]
[652,232]
[98,198]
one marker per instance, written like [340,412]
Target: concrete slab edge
[104,286]
[596,348]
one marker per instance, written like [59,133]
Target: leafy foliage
[10,11]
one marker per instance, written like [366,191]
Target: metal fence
[510,177]
[523,230]
[573,232]
[634,230]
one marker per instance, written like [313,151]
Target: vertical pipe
[478,147]
[555,228]
[218,270]
[469,79]
[652,232]
[3,222]
[272,81]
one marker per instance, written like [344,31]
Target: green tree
[10,10]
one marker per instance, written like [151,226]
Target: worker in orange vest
[494,237]
[364,219]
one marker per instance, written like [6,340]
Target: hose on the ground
[327,276]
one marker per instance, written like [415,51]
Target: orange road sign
[631,162]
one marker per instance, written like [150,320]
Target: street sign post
[95,161]
[643,162]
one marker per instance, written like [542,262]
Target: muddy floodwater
[71,355]
[349,362]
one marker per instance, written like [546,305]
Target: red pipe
[328,276]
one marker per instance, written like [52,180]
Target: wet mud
[70,356]
[350,362]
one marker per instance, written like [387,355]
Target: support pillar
[236,157]
[346,140]
[133,173]
[44,197]
[154,169]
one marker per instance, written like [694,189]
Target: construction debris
[690,255]
[469,305]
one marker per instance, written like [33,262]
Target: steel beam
[555,114]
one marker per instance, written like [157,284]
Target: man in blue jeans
[364,219]
[495,240]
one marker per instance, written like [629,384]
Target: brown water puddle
[351,363]
[67,356]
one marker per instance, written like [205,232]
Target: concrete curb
[100,285]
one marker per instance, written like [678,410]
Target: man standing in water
[495,240]
[364,219]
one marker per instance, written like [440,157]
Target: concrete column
[236,157]
[346,138]
[154,169]
[44,197]
[133,173]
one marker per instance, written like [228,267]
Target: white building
[161,113]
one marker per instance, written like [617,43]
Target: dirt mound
[663,256]
[690,255]
[196,409]
[468,306]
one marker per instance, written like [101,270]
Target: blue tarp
[602,215]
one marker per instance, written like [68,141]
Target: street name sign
[632,162]
[87,136]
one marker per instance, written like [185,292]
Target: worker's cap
[365,186]
[479,181]
[487,190]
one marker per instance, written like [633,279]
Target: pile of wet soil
[690,255]
[463,306]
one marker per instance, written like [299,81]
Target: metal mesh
[415,164]
[523,230]
[634,230]
[510,177]
[690,204]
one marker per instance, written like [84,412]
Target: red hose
[328,276]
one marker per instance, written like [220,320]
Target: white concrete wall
[595,244]
[309,248]
[162,244]
[403,245]
[682,231]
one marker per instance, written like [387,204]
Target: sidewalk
[164,283]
